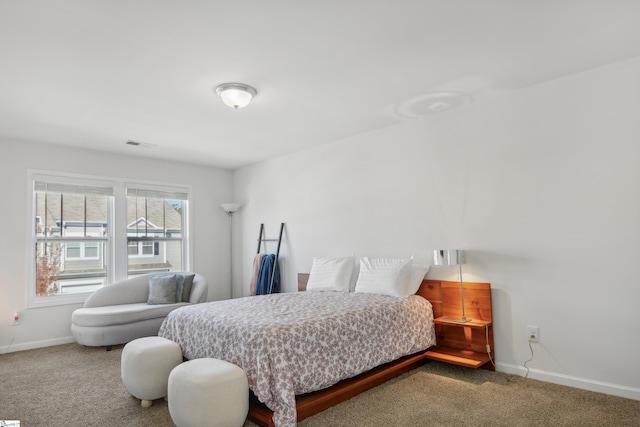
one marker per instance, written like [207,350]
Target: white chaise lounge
[119,312]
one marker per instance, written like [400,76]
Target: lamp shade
[448,257]
[236,95]
[230,207]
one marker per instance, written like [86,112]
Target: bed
[295,344]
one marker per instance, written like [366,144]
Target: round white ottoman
[208,393]
[146,364]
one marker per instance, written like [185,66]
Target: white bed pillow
[330,274]
[385,276]
[418,272]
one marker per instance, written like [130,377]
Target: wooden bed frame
[477,306]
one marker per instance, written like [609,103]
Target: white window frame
[166,192]
[85,283]
[117,229]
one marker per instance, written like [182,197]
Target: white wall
[51,325]
[541,187]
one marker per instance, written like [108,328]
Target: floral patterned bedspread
[294,343]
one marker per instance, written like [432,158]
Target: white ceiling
[97,73]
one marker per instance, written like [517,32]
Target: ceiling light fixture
[236,95]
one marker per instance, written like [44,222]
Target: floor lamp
[230,209]
[452,257]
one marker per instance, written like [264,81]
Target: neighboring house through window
[81,224]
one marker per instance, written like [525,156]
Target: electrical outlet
[15,319]
[534,333]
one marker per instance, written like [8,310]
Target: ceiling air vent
[140,144]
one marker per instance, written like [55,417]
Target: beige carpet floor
[76,386]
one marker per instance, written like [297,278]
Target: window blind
[157,194]
[58,187]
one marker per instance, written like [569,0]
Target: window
[81,224]
[132,248]
[155,229]
[71,227]
[81,250]
[137,249]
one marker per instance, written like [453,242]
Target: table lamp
[452,257]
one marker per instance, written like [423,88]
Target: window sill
[54,300]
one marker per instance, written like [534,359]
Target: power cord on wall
[486,330]
[522,380]
[528,360]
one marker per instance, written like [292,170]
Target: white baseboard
[568,380]
[35,344]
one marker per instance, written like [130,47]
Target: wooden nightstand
[462,344]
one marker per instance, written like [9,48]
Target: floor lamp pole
[230,209]
[231,253]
